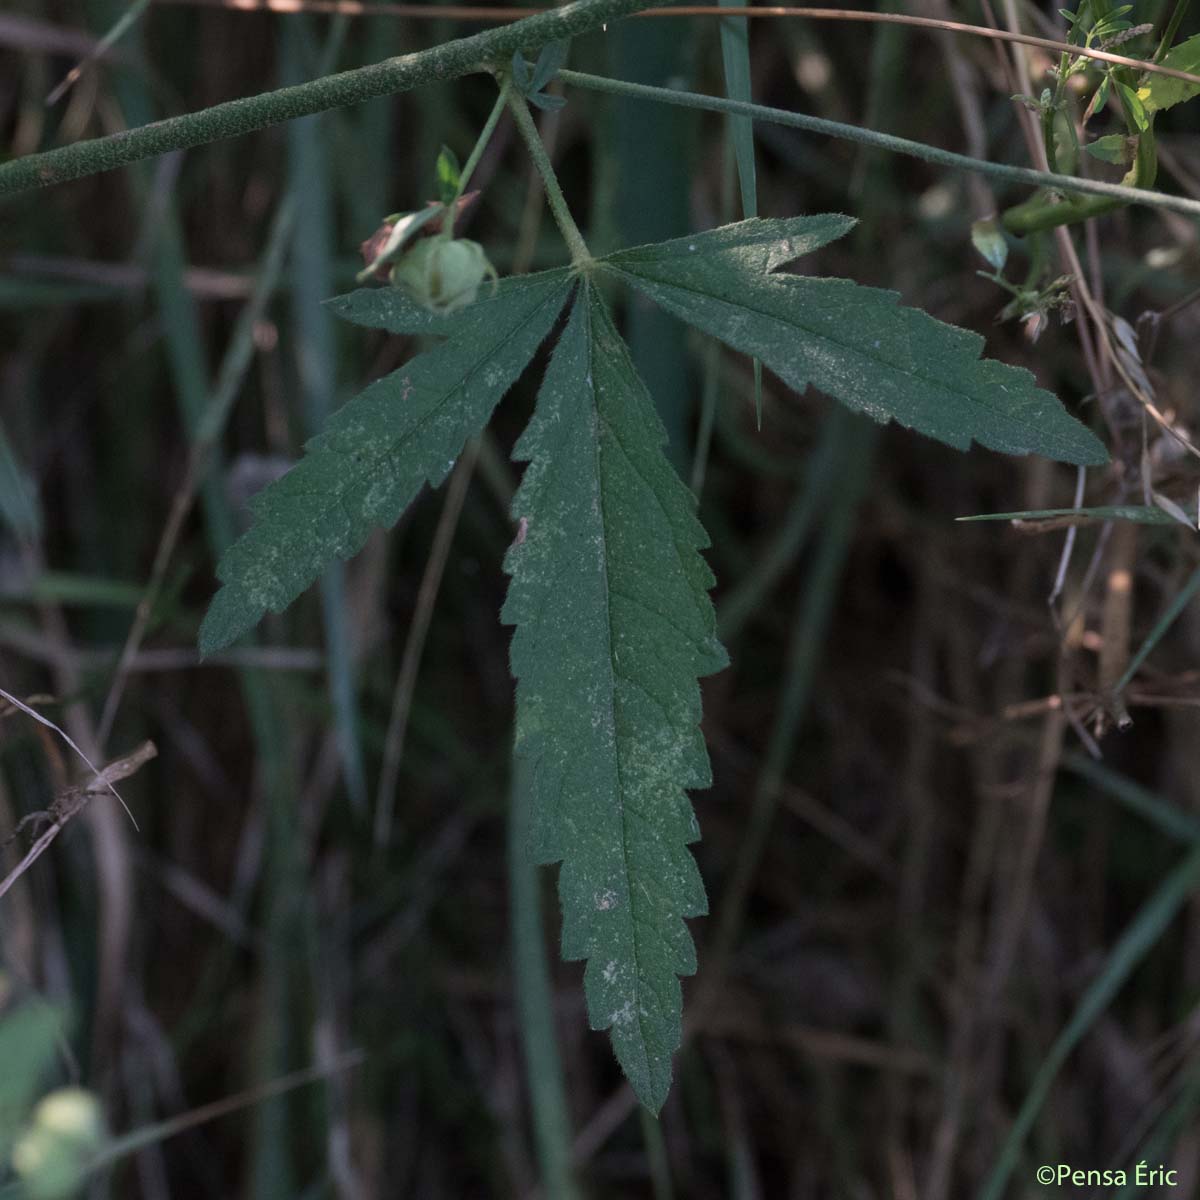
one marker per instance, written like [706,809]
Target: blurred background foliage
[916,869]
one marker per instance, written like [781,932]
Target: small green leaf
[362,472]
[854,343]
[1134,106]
[988,238]
[1112,148]
[546,101]
[522,72]
[530,81]
[449,175]
[550,61]
[609,595]
[1164,91]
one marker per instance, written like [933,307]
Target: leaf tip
[1090,452]
[223,624]
[649,1078]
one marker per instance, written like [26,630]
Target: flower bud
[51,1155]
[443,275]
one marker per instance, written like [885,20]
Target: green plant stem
[1043,212]
[1177,605]
[1167,818]
[656,1156]
[1171,28]
[1048,115]
[535,997]
[1046,211]
[1115,192]
[235,117]
[118,30]
[477,153]
[481,143]
[580,255]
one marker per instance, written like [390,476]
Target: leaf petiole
[485,136]
[580,255]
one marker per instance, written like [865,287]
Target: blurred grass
[873,765]
[310,183]
[647,156]
[535,999]
[1135,942]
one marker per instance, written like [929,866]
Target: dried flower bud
[443,275]
[375,245]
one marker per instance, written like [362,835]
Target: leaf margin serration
[254,579]
[592,904]
[749,254]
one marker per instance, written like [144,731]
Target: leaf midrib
[585,297]
[640,281]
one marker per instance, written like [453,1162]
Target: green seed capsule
[443,275]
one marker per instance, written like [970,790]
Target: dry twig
[71,801]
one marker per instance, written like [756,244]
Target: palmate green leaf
[1165,91]
[854,343]
[377,451]
[609,595]
[1112,148]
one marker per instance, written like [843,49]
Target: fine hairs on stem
[580,256]
[390,77]
[884,141]
[481,144]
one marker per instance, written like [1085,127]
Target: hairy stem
[1044,211]
[580,255]
[884,141]
[481,142]
[236,117]
[485,136]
